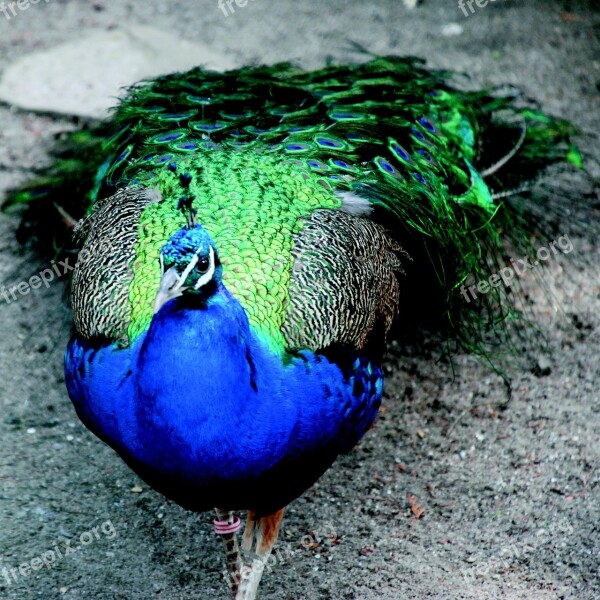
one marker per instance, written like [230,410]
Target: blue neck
[196,364]
[204,378]
[201,398]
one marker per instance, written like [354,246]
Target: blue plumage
[216,419]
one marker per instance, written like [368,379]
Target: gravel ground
[509,490]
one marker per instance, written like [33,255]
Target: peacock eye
[202,265]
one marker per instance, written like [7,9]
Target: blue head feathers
[190,265]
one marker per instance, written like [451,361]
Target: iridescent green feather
[264,147]
[251,203]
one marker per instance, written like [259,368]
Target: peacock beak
[170,287]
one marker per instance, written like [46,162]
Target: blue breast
[202,410]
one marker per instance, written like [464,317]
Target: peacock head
[190,265]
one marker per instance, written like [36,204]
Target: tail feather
[390,111]
[60,193]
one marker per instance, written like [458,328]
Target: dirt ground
[510,491]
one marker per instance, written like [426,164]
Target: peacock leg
[227,525]
[259,538]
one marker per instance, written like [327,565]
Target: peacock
[248,239]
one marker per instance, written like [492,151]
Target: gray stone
[85,76]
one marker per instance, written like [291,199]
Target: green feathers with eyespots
[251,203]
[258,150]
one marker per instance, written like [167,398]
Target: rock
[452,29]
[542,367]
[85,76]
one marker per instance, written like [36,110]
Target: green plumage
[251,203]
[257,151]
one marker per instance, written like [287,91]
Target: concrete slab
[84,77]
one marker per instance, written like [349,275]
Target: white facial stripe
[211,270]
[189,268]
